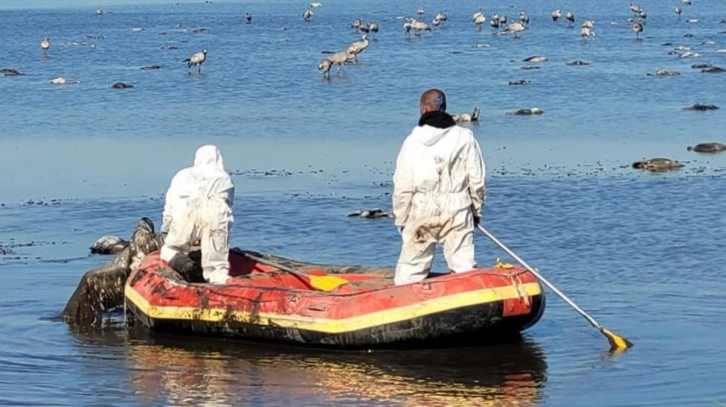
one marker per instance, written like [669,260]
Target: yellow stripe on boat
[333,326]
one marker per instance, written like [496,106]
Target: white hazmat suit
[199,206]
[438,190]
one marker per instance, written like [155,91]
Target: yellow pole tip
[616,342]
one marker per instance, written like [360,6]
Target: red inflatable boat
[319,306]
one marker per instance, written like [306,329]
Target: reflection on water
[198,371]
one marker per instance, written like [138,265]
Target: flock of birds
[196,59]
[500,24]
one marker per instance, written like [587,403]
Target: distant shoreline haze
[93,5]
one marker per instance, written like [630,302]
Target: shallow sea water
[642,253]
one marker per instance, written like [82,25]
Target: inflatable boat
[274,299]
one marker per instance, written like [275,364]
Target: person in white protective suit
[438,192]
[199,207]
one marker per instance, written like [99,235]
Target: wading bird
[358,47]
[373,27]
[494,23]
[523,18]
[477,15]
[45,45]
[308,14]
[479,20]
[415,25]
[515,28]
[197,59]
[587,32]
[556,15]
[570,17]
[339,58]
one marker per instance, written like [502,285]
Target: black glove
[476,221]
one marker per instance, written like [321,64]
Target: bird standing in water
[197,59]
[570,18]
[45,45]
[307,15]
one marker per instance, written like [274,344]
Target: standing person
[438,192]
[199,206]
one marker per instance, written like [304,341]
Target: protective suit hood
[209,155]
[432,127]
[428,135]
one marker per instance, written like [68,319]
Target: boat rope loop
[515,279]
[520,287]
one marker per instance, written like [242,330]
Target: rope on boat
[520,287]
